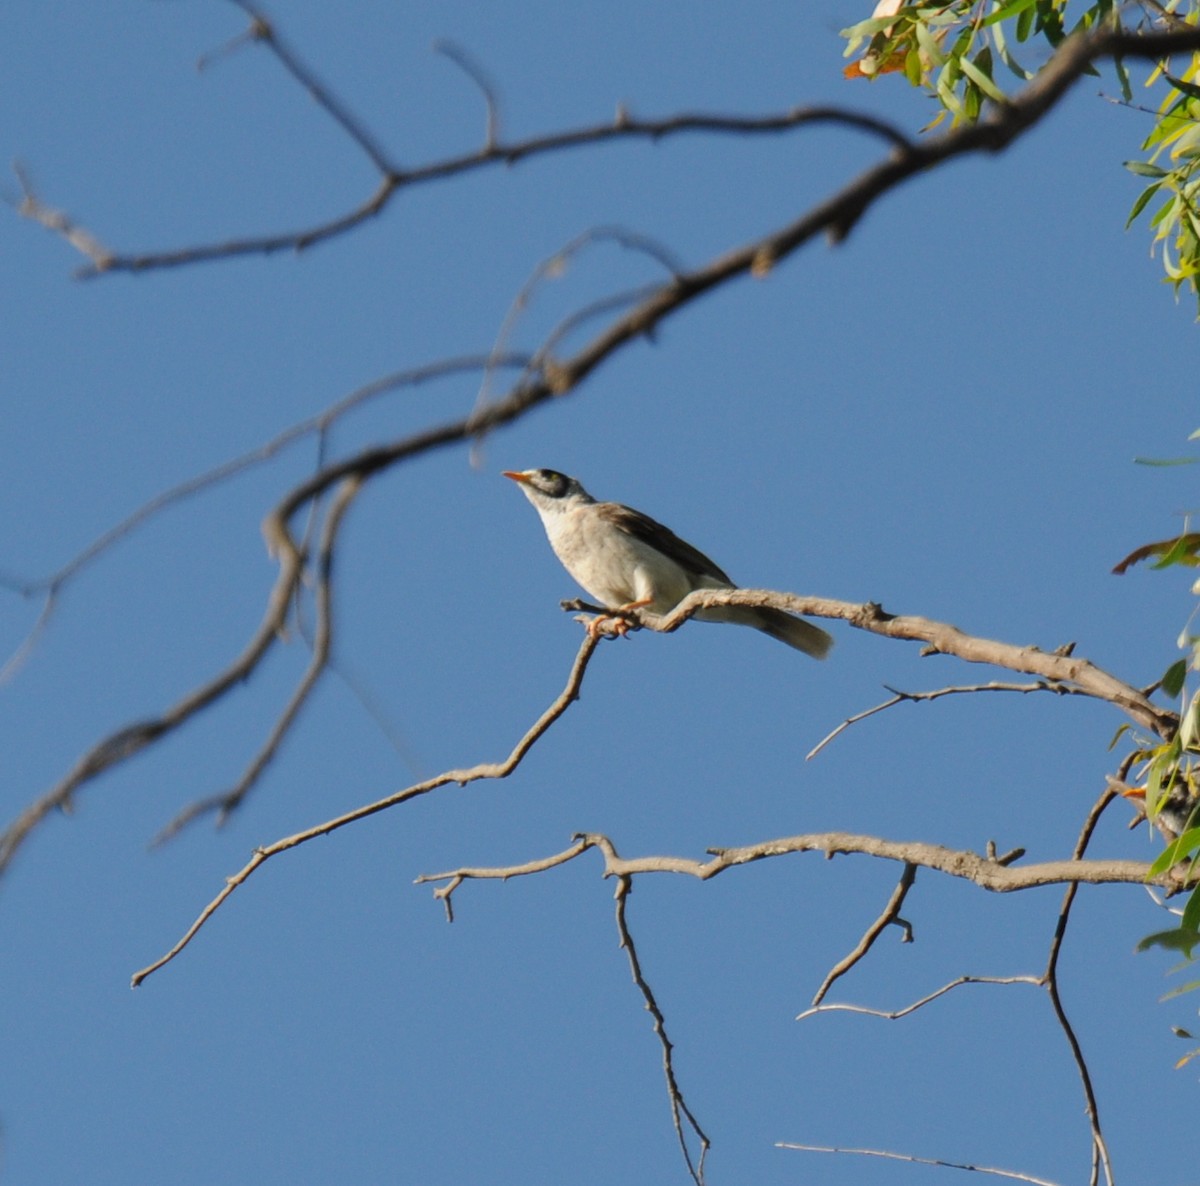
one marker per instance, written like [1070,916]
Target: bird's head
[547,488]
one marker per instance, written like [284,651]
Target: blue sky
[940,415]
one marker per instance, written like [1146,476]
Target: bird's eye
[554,483]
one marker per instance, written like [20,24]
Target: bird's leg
[616,622]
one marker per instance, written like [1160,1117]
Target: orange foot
[616,624]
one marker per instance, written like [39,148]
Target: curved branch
[679,1108]
[228,801]
[124,743]
[485,770]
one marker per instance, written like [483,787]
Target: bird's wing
[662,539]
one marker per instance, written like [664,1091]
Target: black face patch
[552,482]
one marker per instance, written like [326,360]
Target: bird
[1178,807]
[628,561]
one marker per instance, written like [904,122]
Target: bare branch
[905,1010]
[890,916]
[265,33]
[951,1165]
[317,425]
[1100,1155]
[124,743]
[33,208]
[990,873]
[916,697]
[553,266]
[460,778]
[228,801]
[679,1109]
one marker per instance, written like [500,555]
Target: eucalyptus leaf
[1173,677]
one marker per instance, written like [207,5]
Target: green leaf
[1117,736]
[1182,551]
[1144,169]
[1191,913]
[1186,88]
[1140,204]
[1178,992]
[1025,24]
[1175,852]
[1173,677]
[1006,54]
[978,72]
[1011,9]
[1123,79]
[1175,939]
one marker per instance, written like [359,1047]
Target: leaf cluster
[952,50]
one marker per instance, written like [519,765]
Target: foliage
[952,51]
[1169,773]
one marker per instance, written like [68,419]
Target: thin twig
[1100,1156]
[476,73]
[553,266]
[899,697]
[265,33]
[318,424]
[950,1165]
[679,1108]
[905,1010]
[890,916]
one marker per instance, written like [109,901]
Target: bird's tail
[796,632]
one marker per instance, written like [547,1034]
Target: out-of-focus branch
[50,587]
[126,742]
[837,216]
[227,801]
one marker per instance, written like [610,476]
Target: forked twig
[228,801]
[890,916]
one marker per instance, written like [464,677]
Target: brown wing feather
[651,532]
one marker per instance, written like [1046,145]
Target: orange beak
[516,477]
